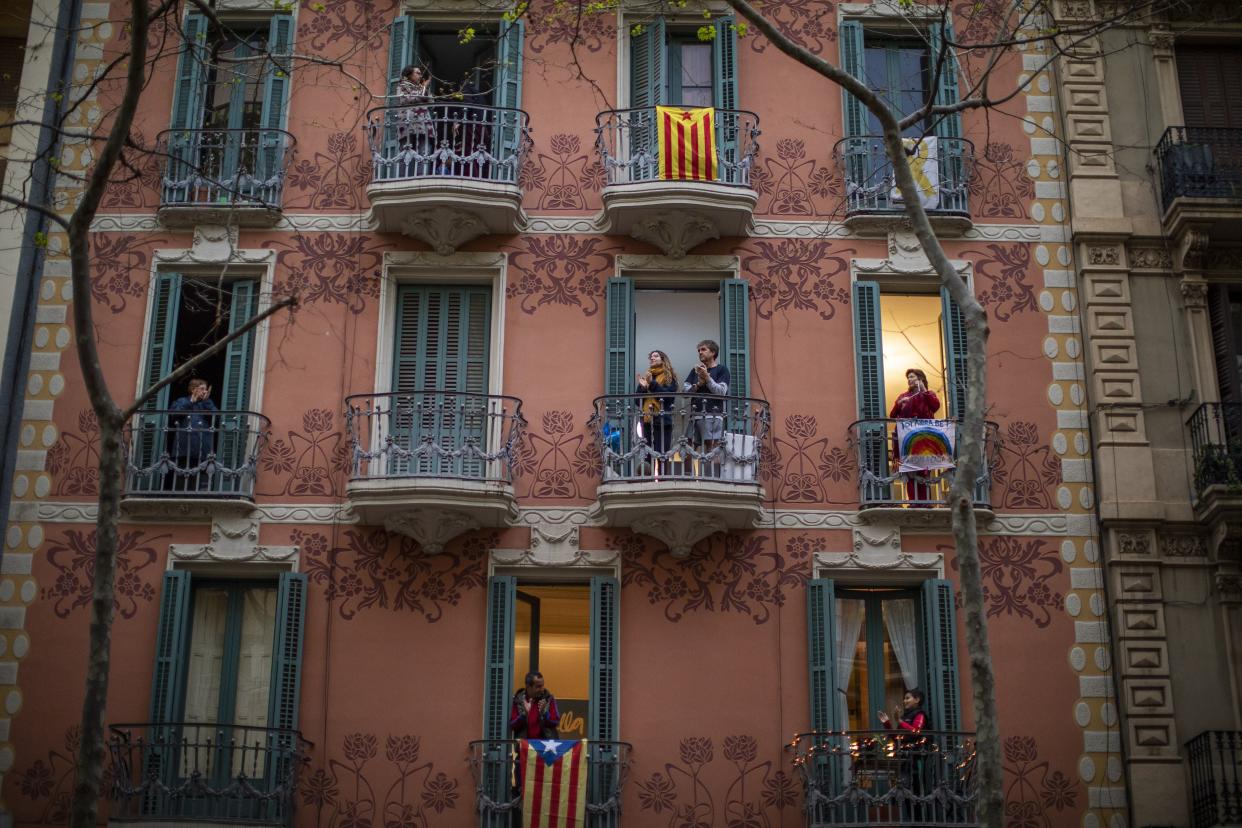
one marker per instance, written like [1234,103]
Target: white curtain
[850,613]
[899,621]
[202,683]
[254,679]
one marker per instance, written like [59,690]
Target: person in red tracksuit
[912,721]
[918,403]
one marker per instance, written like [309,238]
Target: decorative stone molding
[1162,41]
[234,540]
[1223,258]
[1104,255]
[674,231]
[556,224]
[706,264]
[1134,543]
[1150,258]
[556,547]
[875,543]
[181,509]
[888,8]
[432,529]
[934,519]
[1180,547]
[438,262]
[1194,293]
[1191,247]
[444,228]
[1229,586]
[886,566]
[215,245]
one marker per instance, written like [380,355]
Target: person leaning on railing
[918,403]
[193,432]
[657,417]
[708,377]
[911,721]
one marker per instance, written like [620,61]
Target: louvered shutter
[857,151]
[826,707]
[724,97]
[402,49]
[1223,349]
[285,696]
[234,428]
[619,359]
[188,106]
[648,89]
[602,724]
[507,97]
[149,437]
[948,128]
[276,85]
[735,334]
[869,379]
[955,355]
[498,693]
[939,640]
[167,683]
[1210,81]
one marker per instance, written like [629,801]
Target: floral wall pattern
[307,463]
[335,268]
[560,270]
[554,463]
[47,783]
[349,24]
[73,460]
[808,23]
[73,558]
[750,794]
[137,178]
[1001,280]
[724,573]
[1019,578]
[120,269]
[790,184]
[802,462]
[551,23]
[1025,468]
[797,275]
[562,172]
[376,570]
[332,180]
[1000,186]
[400,791]
[1033,787]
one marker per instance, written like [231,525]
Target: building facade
[438,473]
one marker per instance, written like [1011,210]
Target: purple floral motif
[374,569]
[553,22]
[807,23]
[136,180]
[73,460]
[52,779]
[1018,578]
[753,798]
[723,573]
[350,25]
[73,558]
[793,184]
[1000,184]
[345,793]
[797,274]
[119,269]
[560,270]
[555,461]
[340,268]
[1003,269]
[563,175]
[1033,788]
[331,181]
[1026,469]
[808,461]
[312,461]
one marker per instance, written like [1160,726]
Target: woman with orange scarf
[657,411]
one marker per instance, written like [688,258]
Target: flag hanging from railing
[926,444]
[554,777]
[687,143]
[924,157]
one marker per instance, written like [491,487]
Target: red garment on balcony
[915,405]
[540,722]
[912,720]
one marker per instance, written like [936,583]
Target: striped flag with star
[554,777]
[687,143]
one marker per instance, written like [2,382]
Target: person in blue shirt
[193,431]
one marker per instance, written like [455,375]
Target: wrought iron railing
[1215,778]
[669,436]
[881,483]
[498,797]
[629,146]
[460,140]
[868,175]
[194,453]
[224,167]
[1216,446]
[886,777]
[442,434]
[205,772]
[1200,162]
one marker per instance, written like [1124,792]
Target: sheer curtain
[850,613]
[899,621]
[254,679]
[202,683]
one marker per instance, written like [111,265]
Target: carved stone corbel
[1191,247]
[431,528]
[1194,292]
[444,228]
[680,531]
[675,233]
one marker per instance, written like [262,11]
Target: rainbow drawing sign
[923,445]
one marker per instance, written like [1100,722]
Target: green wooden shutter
[821,615]
[939,640]
[605,593]
[188,106]
[869,384]
[149,437]
[498,693]
[401,49]
[857,152]
[170,642]
[735,334]
[507,97]
[724,97]
[285,694]
[619,345]
[948,128]
[276,85]
[955,355]
[239,354]
[648,88]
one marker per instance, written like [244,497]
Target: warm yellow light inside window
[913,338]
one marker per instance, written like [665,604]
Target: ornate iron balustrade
[460,140]
[224,167]
[881,484]
[669,436]
[629,147]
[442,434]
[868,175]
[493,764]
[171,455]
[1200,162]
[1216,446]
[1215,778]
[205,772]
[886,777]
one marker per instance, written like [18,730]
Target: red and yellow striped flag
[554,777]
[687,143]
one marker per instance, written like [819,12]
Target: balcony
[878,777]
[181,772]
[446,173]
[223,176]
[910,498]
[183,468]
[433,464]
[872,203]
[1215,759]
[675,215]
[662,477]
[1201,180]
[493,763]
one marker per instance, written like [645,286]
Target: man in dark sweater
[193,432]
[709,377]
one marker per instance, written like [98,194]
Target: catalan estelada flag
[554,777]
[687,143]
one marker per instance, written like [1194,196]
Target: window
[553,635]
[902,70]
[227,142]
[1225,309]
[1210,80]
[227,669]
[869,645]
